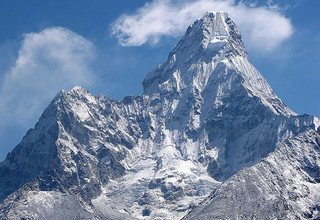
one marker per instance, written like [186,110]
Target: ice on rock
[285,185]
[206,122]
[316,123]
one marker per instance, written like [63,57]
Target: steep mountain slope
[284,185]
[205,114]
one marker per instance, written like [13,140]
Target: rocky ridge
[207,121]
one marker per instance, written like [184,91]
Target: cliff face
[284,185]
[206,114]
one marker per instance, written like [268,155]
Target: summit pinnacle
[207,137]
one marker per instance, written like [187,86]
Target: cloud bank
[47,61]
[263,28]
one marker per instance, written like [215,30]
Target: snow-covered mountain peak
[211,56]
[212,27]
[205,114]
[78,89]
[76,96]
[213,32]
[211,40]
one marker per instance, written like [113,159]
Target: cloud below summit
[263,28]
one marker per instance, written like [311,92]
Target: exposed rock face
[206,114]
[284,185]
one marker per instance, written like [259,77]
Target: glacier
[208,138]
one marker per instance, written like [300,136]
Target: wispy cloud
[263,27]
[47,62]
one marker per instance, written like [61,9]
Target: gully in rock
[207,139]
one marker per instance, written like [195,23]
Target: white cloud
[48,61]
[263,28]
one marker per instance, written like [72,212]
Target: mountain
[207,124]
[284,185]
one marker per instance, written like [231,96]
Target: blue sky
[46,46]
